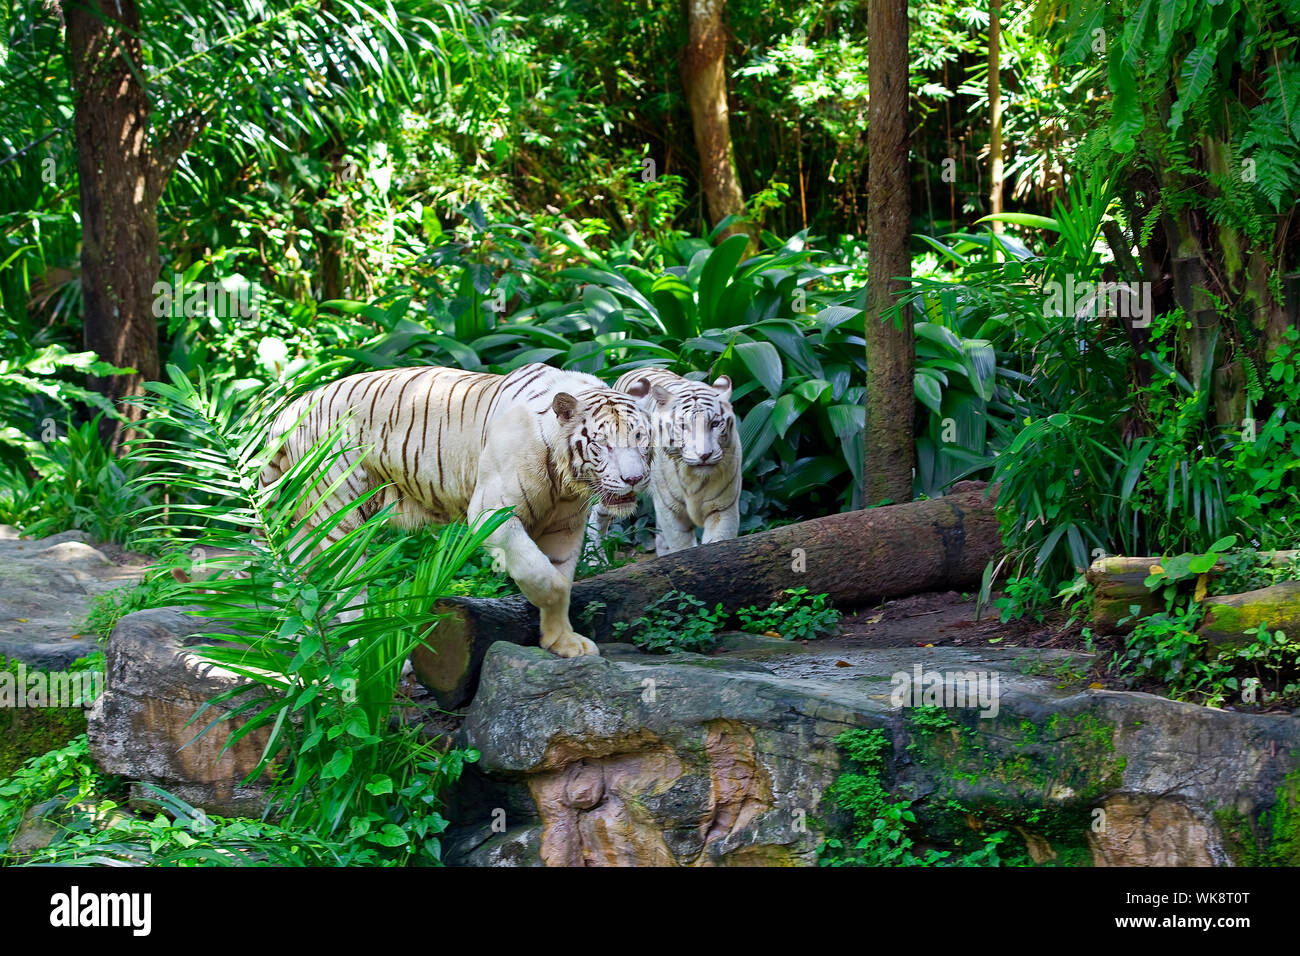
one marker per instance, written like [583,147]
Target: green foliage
[681,622]
[479,577]
[64,774]
[797,618]
[882,826]
[51,482]
[110,607]
[178,835]
[1170,572]
[323,689]
[1166,648]
[675,621]
[30,391]
[1271,651]
[80,486]
[1022,596]
[929,720]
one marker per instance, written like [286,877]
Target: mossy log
[1117,585]
[856,558]
[1227,618]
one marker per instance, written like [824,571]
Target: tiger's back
[423,431]
[444,444]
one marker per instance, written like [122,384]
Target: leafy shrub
[677,621]
[83,486]
[1022,596]
[797,618]
[64,774]
[881,825]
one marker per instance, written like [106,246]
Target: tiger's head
[608,440]
[693,422]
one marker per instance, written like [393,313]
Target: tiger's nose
[635,478]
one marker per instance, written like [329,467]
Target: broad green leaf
[718,271]
[764,363]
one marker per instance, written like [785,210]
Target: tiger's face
[609,446]
[695,426]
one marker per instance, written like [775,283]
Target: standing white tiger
[695,472]
[451,444]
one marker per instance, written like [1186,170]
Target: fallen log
[857,558]
[1228,617]
[1117,585]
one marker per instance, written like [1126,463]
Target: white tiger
[451,444]
[695,472]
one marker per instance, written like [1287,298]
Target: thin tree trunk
[995,114]
[121,177]
[119,251]
[888,447]
[704,78]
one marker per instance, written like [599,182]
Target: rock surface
[632,759]
[684,760]
[46,586]
[140,726]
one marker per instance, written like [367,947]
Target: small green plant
[1273,652]
[110,607]
[1166,648]
[1021,596]
[481,578]
[677,621]
[179,835]
[64,775]
[929,720]
[797,618]
[83,486]
[1166,576]
[881,824]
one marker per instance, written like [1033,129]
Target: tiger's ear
[723,387]
[662,396]
[639,389]
[565,406]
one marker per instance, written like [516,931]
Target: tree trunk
[995,114]
[889,449]
[704,79]
[857,558]
[119,196]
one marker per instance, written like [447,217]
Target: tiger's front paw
[570,644]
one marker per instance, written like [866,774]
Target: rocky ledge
[628,759]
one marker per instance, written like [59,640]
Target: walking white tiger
[695,472]
[453,444]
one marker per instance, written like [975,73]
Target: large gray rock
[140,726]
[713,761]
[46,588]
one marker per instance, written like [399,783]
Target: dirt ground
[948,618]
